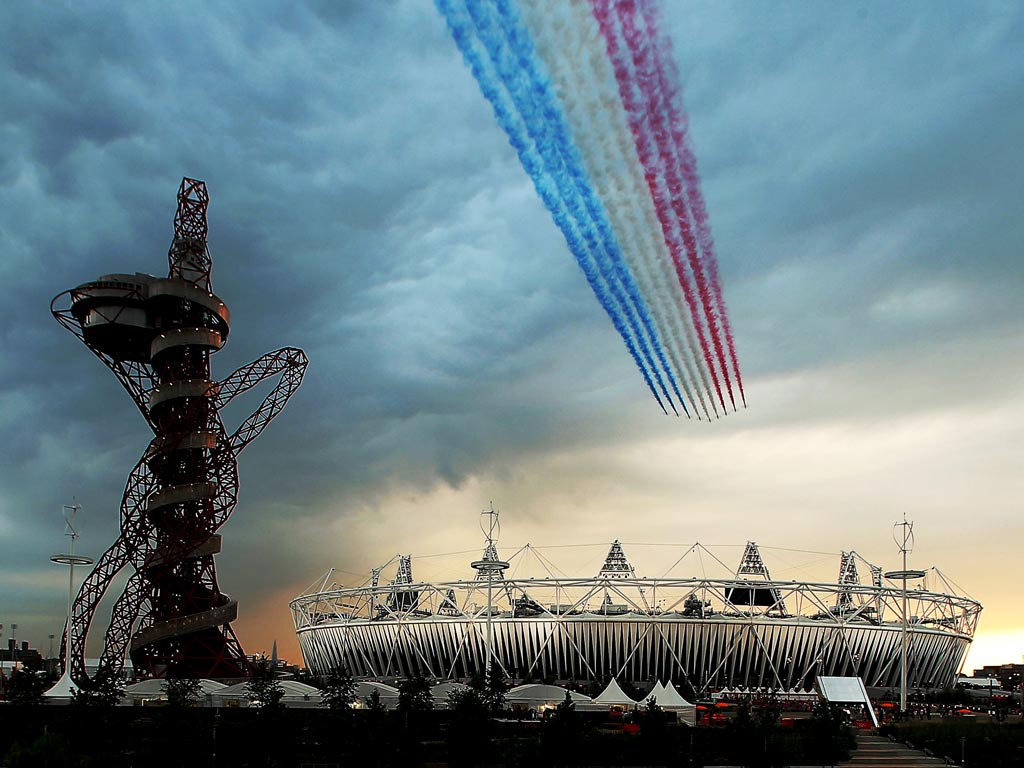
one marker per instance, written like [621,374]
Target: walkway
[879,752]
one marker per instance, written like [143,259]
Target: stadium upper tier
[747,630]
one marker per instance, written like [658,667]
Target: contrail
[511,52]
[461,28]
[588,96]
[654,172]
[668,81]
[646,82]
[574,62]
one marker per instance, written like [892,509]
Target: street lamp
[70,560]
[903,534]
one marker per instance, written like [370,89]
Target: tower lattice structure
[847,576]
[616,566]
[157,335]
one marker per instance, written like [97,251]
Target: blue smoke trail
[523,73]
[461,28]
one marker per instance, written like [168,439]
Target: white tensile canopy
[674,702]
[63,688]
[153,690]
[388,694]
[667,697]
[296,694]
[537,695]
[441,690]
[656,694]
[671,698]
[613,696]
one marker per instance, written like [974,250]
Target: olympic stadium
[741,630]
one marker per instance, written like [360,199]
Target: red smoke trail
[668,81]
[665,131]
[652,173]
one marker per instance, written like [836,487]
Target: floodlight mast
[157,336]
[489,567]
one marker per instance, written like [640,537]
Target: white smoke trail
[664,195]
[669,84]
[668,280]
[665,119]
[572,48]
[565,52]
[500,27]
[513,122]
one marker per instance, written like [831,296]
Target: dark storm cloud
[853,154]
[861,168]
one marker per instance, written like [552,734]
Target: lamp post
[70,560]
[489,566]
[903,534]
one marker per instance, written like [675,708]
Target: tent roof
[292,689]
[366,687]
[613,694]
[447,686]
[545,693]
[62,689]
[441,690]
[657,692]
[155,685]
[670,698]
[238,689]
[295,688]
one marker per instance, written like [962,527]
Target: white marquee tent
[613,696]
[668,698]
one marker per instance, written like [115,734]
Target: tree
[468,735]
[338,690]
[562,736]
[831,738]
[566,709]
[25,688]
[374,704]
[182,693]
[264,689]
[414,695]
[494,690]
[104,689]
[654,731]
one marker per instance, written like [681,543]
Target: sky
[862,169]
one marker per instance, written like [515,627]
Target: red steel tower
[157,335]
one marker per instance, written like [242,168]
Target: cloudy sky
[862,167]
